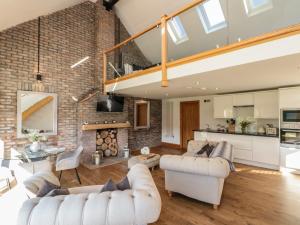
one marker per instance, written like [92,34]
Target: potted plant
[244,124]
[34,137]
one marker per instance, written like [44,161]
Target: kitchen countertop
[237,133]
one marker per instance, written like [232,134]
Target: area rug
[107,161]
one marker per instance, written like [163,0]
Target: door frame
[181,121]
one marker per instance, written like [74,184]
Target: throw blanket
[223,150]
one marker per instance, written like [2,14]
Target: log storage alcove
[109,138]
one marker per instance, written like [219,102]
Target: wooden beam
[36,107]
[105,126]
[164,51]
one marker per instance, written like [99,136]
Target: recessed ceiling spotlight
[217,46]
[203,88]
[189,87]
[239,39]
[166,94]
[197,83]
[217,88]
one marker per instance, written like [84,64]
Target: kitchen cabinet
[266,105]
[266,150]
[289,98]
[249,150]
[223,106]
[244,99]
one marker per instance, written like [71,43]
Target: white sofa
[86,206]
[200,178]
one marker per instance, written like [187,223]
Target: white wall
[206,117]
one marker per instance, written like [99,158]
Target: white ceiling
[268,74]
[14,12]
[136,15]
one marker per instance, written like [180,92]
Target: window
[254,7]
[212,16]
[177,31]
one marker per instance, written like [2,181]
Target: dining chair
[5,173]
[69,160]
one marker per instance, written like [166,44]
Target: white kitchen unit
[244,99]
[266,150]
[290,159]
[249,150]
[266,105]
[289,98]
[223,106]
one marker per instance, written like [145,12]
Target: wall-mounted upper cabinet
[289,98]
[223,106]
[266,105]
[244,99]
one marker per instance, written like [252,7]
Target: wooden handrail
[185,8]
[282,33]
[132,37]
[292,30]
[275,35]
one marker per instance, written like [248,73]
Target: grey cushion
[123,184]
[206,149]
[55,192]
[46,188]
[109,186]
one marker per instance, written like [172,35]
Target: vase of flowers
[34,137]
[244,124]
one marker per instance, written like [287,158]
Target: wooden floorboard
[251,196]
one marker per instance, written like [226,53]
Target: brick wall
[146,137]
[66,37]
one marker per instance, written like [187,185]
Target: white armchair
[139,205]
[69,160]
[196,177]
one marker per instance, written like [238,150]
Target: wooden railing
[162,23]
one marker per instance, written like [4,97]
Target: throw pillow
[218,150]
[46,188]
[210,150]
[206,149]
[55,192]
[203,149]
[109,186]
[123,184]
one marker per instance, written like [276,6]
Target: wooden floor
[252,196]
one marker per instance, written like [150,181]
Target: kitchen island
[238,133]
[248,148]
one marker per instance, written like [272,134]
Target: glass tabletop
[26,154]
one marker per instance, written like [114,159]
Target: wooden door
[189,121]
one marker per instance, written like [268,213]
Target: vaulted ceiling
[14,12]
[136,15]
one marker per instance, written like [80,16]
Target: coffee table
[150,160]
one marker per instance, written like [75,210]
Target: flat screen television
[110,103]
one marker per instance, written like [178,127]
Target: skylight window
[212,16]
[177,31]
[254,7]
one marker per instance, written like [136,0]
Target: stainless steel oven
[290,119]
[290,137]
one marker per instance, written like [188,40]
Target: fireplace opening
[107,143]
